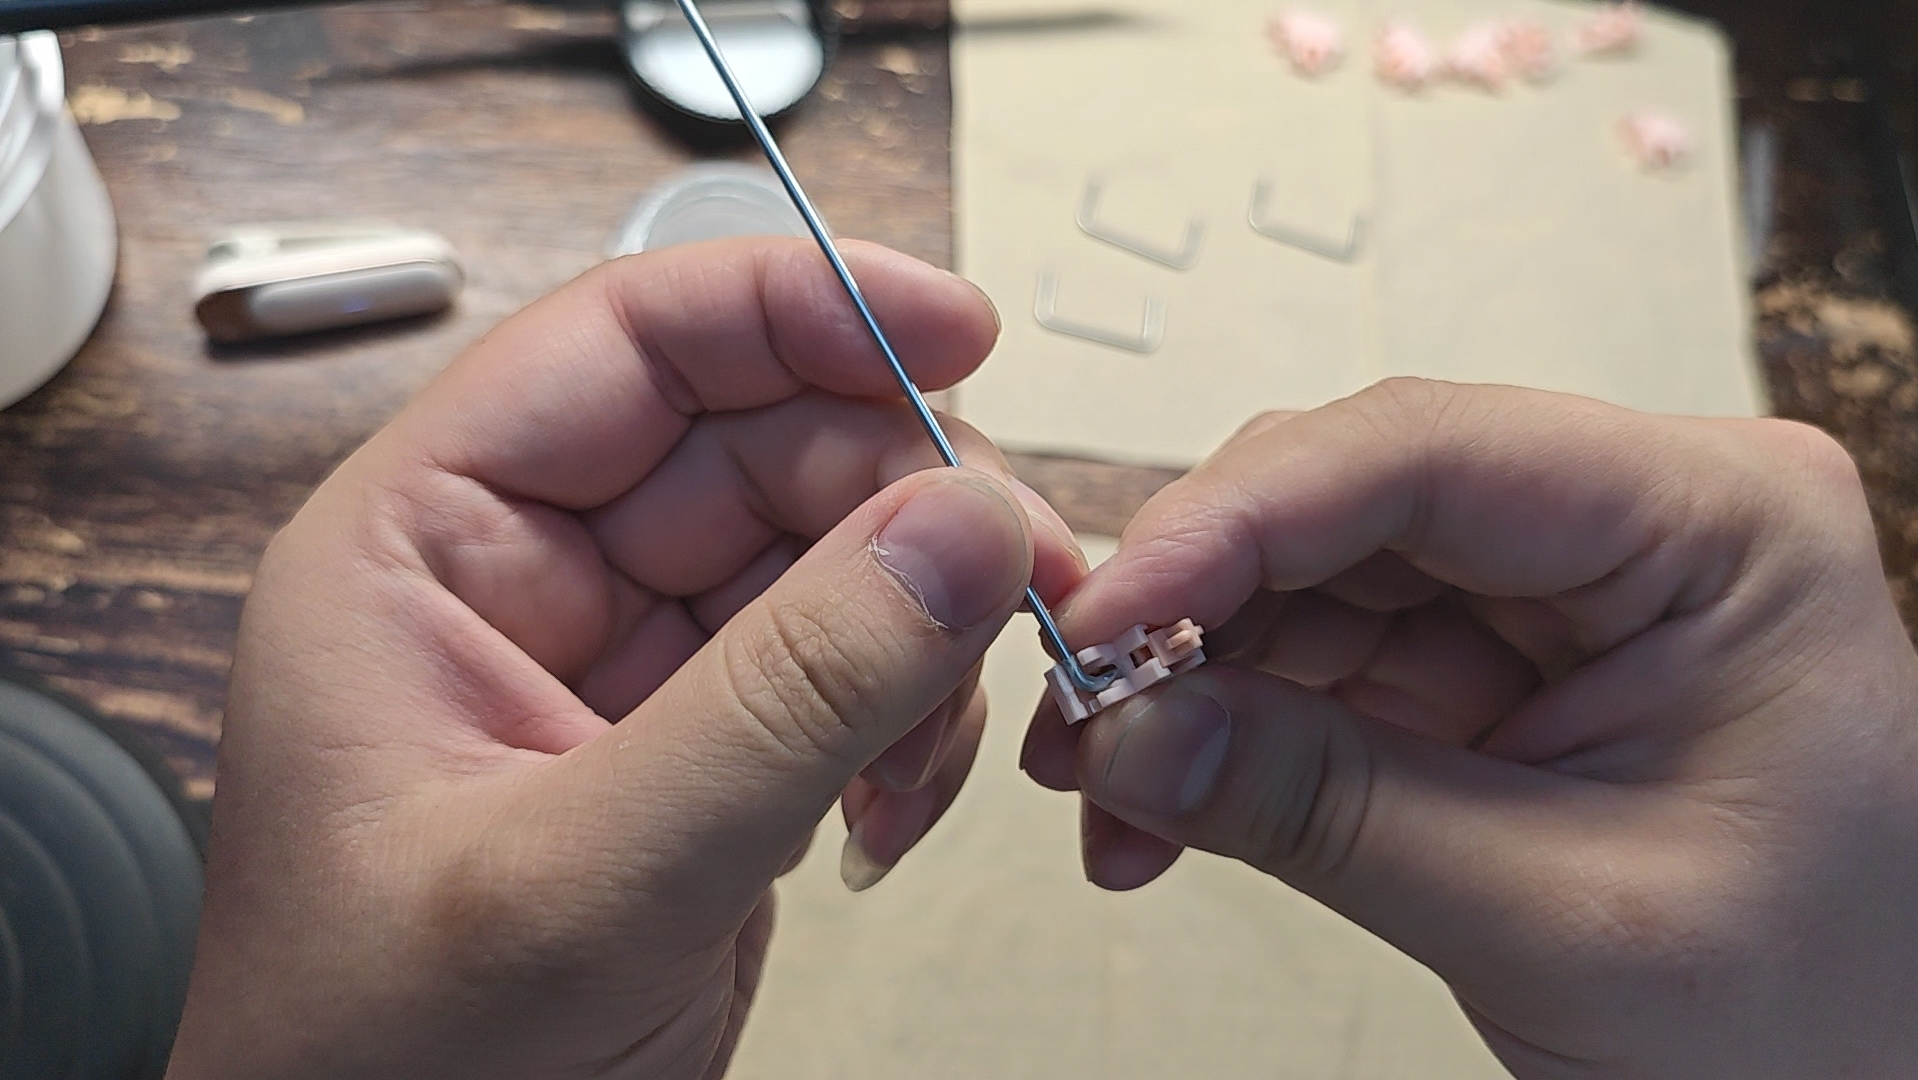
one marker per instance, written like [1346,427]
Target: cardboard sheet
[986,955]
[1510,240]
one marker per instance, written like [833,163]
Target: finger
[1440,673]
[1310,638]
[798,856]
[1434,670]
[912,761]
[1049,748]
[578,397]
[738,483]
[1537,630]
[1495,490]
[1384,582]
[1456,858]
[744,494]
[1260,424]
[883,826]
[1050,753]
[1119,857]
[651,635]
[709,785]
[1058,561]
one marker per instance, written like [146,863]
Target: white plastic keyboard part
[1142,657]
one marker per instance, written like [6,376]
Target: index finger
[578,397]
[1499,491]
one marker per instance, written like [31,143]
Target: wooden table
[138,489]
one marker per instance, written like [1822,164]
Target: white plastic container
[57,240]
[709,201]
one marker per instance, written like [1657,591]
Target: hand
[542,690]
[1606,718]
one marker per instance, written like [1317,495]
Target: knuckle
[797,681]
[1810,451]
[1257,427]
[1803,483]
[1405,400]
[1415,420]
[1311,815]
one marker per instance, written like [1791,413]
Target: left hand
[543,689]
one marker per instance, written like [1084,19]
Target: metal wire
[1085,681]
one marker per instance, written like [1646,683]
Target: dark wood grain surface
[1835,87]
[137,489]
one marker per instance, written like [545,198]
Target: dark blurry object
[18,16]
[100,884]
[781,48]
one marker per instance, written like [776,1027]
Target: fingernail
[958,548]
[998,323]
[856,868]
[1169,753]
[891,825]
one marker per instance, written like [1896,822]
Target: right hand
[1606,718]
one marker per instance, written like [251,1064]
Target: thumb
[1450,855]
[700,796]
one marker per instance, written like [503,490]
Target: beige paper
[1511,239]
[986,955]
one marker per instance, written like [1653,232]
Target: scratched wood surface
[137,490]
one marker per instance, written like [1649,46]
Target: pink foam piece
[1528,49]
[1614,29]
[1477,56]
[1403,56]
[1314,43]
[1655,140]
[1141,657]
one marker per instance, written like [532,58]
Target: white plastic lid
[709,202]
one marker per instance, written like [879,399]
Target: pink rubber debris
[1655,140]
[1141,657]
[1477,56]
[1614,29]
[1404,57]
[1528,49]
[1312,42]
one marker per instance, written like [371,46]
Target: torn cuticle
[880,555]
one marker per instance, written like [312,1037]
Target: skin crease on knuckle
[1811,582]
[796,678]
